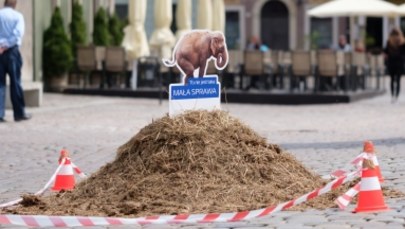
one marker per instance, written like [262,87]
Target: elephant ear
[217,42]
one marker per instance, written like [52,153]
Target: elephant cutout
[195,49]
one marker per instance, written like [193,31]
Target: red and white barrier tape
[78,171]
[74,221]
[40,192]
[357,162]
[344,200]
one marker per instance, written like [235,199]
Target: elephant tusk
[220,58]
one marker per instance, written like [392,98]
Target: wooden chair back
[211,69]
[359,59]
[86,58]
[275,61]
[301,63]
[235,60]
[254,62]
[340,61]
[381,62]
[100,56]
[115,59]
[327,63]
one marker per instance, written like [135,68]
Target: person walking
[11,34]
[394,52]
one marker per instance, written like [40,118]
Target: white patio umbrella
[135,41]
[183,17]
[218,17]
[347,8]
[401,9]
[162,39]
[204,20]
[353,8]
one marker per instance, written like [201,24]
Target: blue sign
[197,88]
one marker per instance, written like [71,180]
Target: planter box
[33,92]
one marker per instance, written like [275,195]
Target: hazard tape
[78,171]
[357,162]
[75,221]
[40,192]
[344,200]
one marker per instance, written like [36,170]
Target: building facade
[280,24]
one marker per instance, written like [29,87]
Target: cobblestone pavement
[323,137]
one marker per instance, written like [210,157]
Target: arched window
[275,25]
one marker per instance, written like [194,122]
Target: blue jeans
[11,63]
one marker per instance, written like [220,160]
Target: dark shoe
[2,120]
[23,118]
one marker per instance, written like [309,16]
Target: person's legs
[2,86]
[392,78]
[398,85]
[16,92]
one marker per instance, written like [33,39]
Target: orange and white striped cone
[369,150]
[65,179]
[370,196]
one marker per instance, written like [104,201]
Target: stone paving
[323,137]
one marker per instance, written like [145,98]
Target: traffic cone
[370,196]
[65,179]
[369,149]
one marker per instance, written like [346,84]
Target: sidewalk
[323,137]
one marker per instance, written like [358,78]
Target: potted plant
[57,54]
[101,35]
[116,29]
[78,33]
[77,27]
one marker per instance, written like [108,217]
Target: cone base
[64,182]
[370,210]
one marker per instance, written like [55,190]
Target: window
[321,33]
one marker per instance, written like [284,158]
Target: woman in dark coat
[395,60]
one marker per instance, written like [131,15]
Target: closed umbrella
[183,17]
[204,20]
[162,38]
[135,42]
[218,17]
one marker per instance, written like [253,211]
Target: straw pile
[198,162]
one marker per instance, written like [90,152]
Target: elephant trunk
[222,59]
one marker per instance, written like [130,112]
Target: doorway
[275,25]
[374,34]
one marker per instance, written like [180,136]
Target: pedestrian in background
[359,46]
[254,44]
[394,52]
[11,34]
[343,45]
